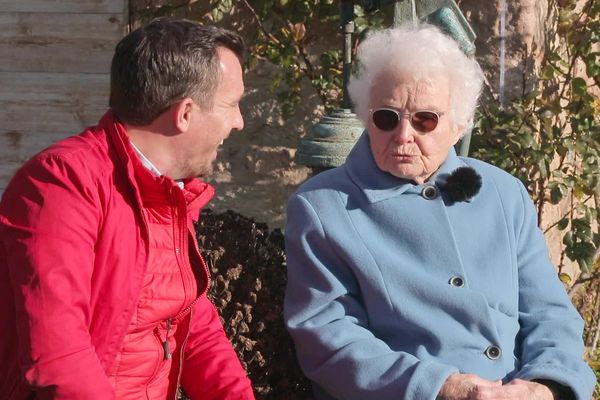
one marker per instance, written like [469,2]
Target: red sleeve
[49,227]
[211,368]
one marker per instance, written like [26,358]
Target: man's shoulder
[88,149]
[77,161]
[72,169]
[84,144]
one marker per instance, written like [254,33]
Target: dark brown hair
[163,62]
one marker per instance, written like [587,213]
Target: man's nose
[238,122]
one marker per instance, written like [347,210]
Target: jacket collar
[378,185]
[150,190]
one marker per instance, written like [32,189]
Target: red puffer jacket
[74,250]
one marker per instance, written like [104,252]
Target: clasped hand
[472,387]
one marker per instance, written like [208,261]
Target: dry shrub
[247,267]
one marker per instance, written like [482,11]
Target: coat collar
[378,185]
[148,188]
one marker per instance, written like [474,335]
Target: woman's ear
[182,114]
[458,131]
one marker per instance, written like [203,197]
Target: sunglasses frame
[400,115]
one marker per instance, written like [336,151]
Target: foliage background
[548,137]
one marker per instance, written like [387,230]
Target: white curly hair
[424,52]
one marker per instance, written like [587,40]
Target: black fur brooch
[462,184]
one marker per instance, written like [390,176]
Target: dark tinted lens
[424,121]
[386,120]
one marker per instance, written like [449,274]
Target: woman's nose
[404,131]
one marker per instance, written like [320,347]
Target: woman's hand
[472,387]
[516,390]
[465,386]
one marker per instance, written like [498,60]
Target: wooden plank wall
[54,71]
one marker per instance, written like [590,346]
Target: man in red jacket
[102,286]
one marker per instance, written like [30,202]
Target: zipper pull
[166,342]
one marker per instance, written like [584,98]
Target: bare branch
[258,21]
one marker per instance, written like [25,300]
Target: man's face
[404,151]
[210,127]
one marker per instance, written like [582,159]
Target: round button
[429,192]
[493,352]
[457,281]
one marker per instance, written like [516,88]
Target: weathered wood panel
[58,42]
[64,6]
[23,86]
[55,57]
[45,102]
[23,27]
[50,118]
[27,129]
[7,170]
[54,71]
[17,148]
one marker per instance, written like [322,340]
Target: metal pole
[330,140]
[405,10]
[347,25]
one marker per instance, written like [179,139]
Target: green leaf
[565,278]
[568,239]
[579,86]
[548,72]
[562,224]
[584,265]
[592,64]
[217,14]
[556,195]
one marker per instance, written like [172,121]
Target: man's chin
[205,172]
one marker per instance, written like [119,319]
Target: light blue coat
[374,302]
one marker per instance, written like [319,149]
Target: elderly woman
[415,273]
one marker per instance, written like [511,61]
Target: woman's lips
[404,157]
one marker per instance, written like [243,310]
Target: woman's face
[403,151]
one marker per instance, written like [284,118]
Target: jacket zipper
[181,215]
[204,266]
[167,355]
[166,346]
[184,239]
[180,240]
[181,349]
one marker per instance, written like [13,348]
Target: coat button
[457,281]
[429,192]
[493,352]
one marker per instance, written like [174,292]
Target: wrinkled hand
[465,387]
[514,390]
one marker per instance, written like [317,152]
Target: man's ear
[182,114]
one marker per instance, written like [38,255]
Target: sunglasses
[387,119]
